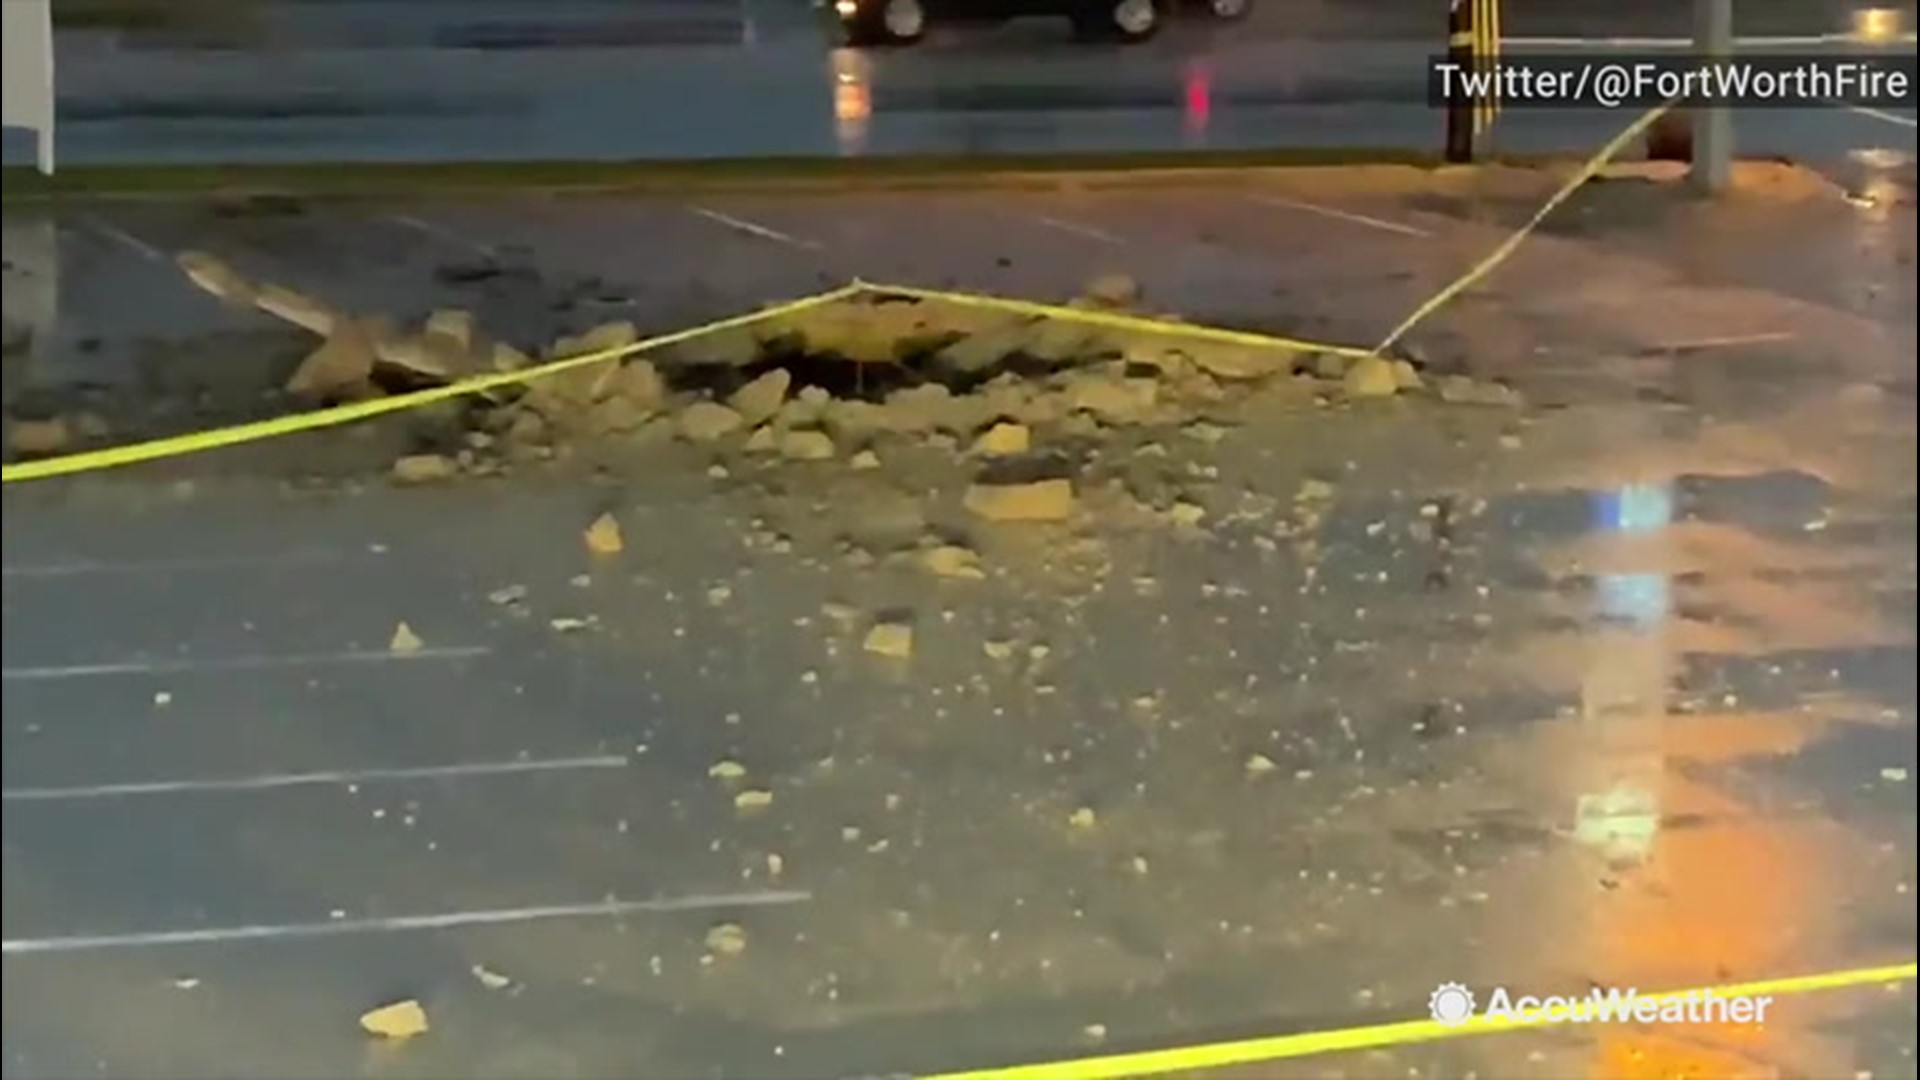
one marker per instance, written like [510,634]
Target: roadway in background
[352,80]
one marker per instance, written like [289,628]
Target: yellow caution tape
[198,441]
[1512,243]
[1115,320]
[1306,1044]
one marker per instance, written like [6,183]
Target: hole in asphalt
[850,379]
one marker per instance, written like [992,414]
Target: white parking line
[1726,342]
[1341,215]
[275,781]
[442,233]
[235,663]
[451,920]
[78,568]
[124,239]
[1077,229]
[1879,114]
[754,229]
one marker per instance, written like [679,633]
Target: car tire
[1126,21]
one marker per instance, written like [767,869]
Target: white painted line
[235,663]
[1879,114]
[753,229]
[1077,229]
[442,233]
[451,920]
[275,781]
[125,239]
[1728,342]
[162,566]
[1342,215]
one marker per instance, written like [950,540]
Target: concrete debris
[952,561]
[1243,362]
[297,308]
[453,324]
[425,469]
[1115,400]
[708,421]
[753,799]
[727,939]
[892,639]
[764,440]
[1043,500]
[1406,376]
[603,536]
[606,337]
[1330,366]
[40,438]
[863,460]
[1113,290]
[404,641]
[507,358]
[807,446]
[400,1020]
[1186,515]
[427,358]
[759,400]
[341,368]
[217,278]
[1371,377]
[727,769]
[492,980]
[1461,390]
[1004,440]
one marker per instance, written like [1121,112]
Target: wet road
[1615,689]
[702,80]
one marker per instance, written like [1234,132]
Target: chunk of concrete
[297,308]
[1042,500]
[708,421]
[760,399]
[1370,377]
[341,367]
[214,276]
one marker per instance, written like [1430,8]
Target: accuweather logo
[1452,1004]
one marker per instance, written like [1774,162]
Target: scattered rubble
[40,438]
[404,640]
[877,382]
[603,536]
[1004,439]
[400,1020]
[952,561]
[891,638]
[706,421]
[1371,377]
[425,469]
[1040,500]
[727,939]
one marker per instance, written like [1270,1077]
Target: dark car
[903,22]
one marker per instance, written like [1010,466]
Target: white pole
[27,78]
[1713,123]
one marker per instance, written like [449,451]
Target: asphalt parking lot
[1287,771]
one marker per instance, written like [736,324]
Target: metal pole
[1460,107]
[1713,121]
